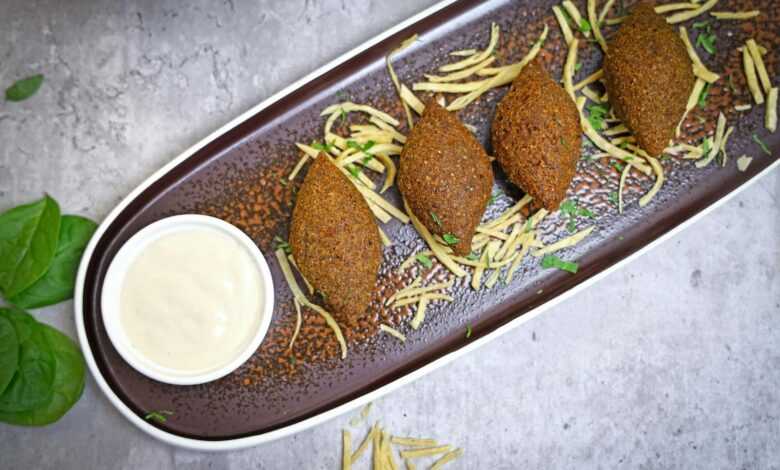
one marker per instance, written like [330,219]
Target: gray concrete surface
[673,362]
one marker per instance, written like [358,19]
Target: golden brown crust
[649,77]
[446,172]
[536,136]
[335,240]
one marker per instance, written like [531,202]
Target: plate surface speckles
[236,177]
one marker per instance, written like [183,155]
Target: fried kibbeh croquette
[446,177]
[536,136]
[335,241]
[649,77]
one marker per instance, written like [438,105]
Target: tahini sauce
[191,300]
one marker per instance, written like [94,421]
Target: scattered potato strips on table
[385,447]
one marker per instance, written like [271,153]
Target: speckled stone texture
[672,362]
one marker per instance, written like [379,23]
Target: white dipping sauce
[191,300]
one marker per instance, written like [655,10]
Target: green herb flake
[24,88]
[705,146]
[473,256]
[552,261]
[327,147]
[528,227]
[705,91]
[160,416]
[613,197]
[585,26]
[577,66]
[424,260]
[583,212]
[707,42]
[762,144]
[280,243]
[353,170]
[596,115]
[568,207]
[450,239]
[618,166]
[571,226]
[701,24]
[436,218]
[468,331]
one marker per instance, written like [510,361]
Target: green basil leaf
[28,241]
[9,352]
[24,88]
[31,386]
[68,383]
[57,284]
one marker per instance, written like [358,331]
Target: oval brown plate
[235,175]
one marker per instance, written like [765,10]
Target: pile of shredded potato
[475,63]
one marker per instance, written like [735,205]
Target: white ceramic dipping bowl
[112,286]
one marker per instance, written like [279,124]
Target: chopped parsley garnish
[468,331]
[618,166]
[702,25]
[569,209]
[353,170]
[424,260]
[707,41]
[552,261]
[291,360]
[705,146]
[577,66]
[596,114]
[436,218]
[343,114]
[322,147]
[613,197]
[761,144]
[703,96]
[450,239]
[585,26]
[361,148]
[282,244]
[473,256]
[528,226]
[160,416]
